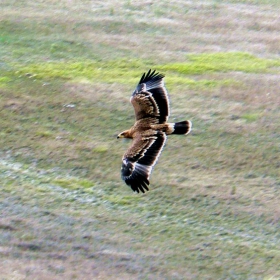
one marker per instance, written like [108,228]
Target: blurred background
[67,71]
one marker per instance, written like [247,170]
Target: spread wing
[139,160]
[150,98]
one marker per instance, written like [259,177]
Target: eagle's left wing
[150,98]
[139,160]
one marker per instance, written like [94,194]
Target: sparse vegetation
[66,72]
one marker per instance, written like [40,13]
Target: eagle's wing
[140,158]
[150,98]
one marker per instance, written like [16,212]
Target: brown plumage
[151,105]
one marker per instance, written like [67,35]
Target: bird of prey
[151,105]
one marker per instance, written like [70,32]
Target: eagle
[149,132]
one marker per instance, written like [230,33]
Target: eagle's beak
[122,134]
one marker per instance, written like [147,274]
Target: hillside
[67,70]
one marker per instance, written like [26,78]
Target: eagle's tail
[183,127]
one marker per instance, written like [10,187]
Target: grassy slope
[67,71]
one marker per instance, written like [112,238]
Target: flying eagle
[151,105]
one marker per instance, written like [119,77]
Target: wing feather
[145,106]
[150,98]
[139,160]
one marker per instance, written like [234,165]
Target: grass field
[67,70]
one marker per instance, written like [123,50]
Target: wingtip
[139,188]
[151,75]
[142,185]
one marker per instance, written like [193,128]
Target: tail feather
[183,127]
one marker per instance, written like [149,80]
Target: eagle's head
[125,134]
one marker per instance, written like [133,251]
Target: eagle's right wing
[139,160]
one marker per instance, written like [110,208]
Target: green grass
[116,71]
[251,117]
[66,74]
[223,62]
[72,183]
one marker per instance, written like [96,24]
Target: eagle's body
[146,127]
[151,105]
